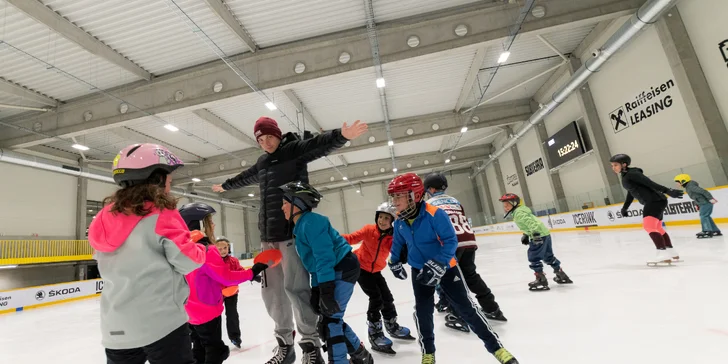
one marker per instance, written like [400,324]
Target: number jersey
[456,212]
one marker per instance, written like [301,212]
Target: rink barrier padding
[19,252]
[16,300]
[678,212]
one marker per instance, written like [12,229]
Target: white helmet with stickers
[387,208]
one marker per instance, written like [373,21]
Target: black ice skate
[455,322]
[361,356]
[284,354]
[717,233]
[311,354]
[562,278]
[442,305]
[496,315]
[396,331]
[704,235]
[379,342]
[540,284]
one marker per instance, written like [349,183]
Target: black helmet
[193,213]
[435,180]
[621,158]
[301,194]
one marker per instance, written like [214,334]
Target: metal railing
[18,252]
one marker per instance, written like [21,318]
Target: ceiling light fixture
[464,129]
[271,106]
[380,82]
[171,127]
[504,57]
[196,180]
[80,147]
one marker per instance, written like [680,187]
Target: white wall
[495,192]
[98,191]
[235,226]
[539,184]
[705,21]
[664,142]
[360,208]
[510,178]
[42,202]
[330,206]
[253,231]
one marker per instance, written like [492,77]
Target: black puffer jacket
[640,187]
[287,164]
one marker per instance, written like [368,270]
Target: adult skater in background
[144,250]
[286,289]
[652,196]
[431,244]
[435,186]
[705,202]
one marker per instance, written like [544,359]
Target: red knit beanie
[266,126]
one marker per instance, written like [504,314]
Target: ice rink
[617,311]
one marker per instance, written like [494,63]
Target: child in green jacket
[538,239]
[705,202]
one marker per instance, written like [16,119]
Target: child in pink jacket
[205,304]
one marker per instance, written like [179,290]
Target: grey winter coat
[698,194]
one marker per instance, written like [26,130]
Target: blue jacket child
[430,236]
[334,270]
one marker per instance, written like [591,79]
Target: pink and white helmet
[137,162]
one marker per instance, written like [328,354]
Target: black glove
[315,297]
[675,193]
[258,267]
[328,303]
[537,239]
[431,273]
[403,254]
[258,279]
[398,270]
[623,211]
[525,239]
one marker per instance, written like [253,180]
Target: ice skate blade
[453,326]
[660,263]
[384,350]
[404,338]
[536,289]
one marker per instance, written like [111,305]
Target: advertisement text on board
[645,105]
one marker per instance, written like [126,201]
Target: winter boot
[540,284]
[361,356]
[379,342]
[311,354]
[562,278]
[496,315]
[504,357]
[396,331]
[428,358]
[284,354]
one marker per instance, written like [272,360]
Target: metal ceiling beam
[274,67]
[490,116]
[20,91]
[302,109]
[219,122]
[44,15]
[471,78]
[222,11]
[134,136]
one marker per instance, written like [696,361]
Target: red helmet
[510,197]
[408,182]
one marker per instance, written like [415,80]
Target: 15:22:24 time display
[568,148]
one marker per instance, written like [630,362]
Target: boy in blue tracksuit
[430,242]
[334,271]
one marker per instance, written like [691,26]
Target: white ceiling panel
[153,34]
[272,22]
[344,97]
[471,139]
[322,163]
[418,146]
[367,155]
[10,99]
[386,10]
[31,47]
[426,84]
[508,77]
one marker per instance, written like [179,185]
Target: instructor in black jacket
[286,288]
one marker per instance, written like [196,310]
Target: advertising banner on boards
[27,297]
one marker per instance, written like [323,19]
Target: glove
[258,267]
[623,211]
[431,273]
[537,239]
[525,240]
[315,297]
[328,303]
[196,235]
[258,279]
[398,270]
[675,193]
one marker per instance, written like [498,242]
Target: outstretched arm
[216,269]
[311,149]
[627,201]
[245,178]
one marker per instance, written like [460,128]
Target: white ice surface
[618,311]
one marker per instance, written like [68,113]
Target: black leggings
[381,302]
[175,348]
[655,209]
[207,344]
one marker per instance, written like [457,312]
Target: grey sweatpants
[287,294]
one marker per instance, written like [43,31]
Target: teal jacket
[528,222]
[320,246]
[697,193]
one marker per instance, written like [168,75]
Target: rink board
[26,298]
[678,212]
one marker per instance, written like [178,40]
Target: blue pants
[454,288]
[340,338]
[542,251]
[705,220]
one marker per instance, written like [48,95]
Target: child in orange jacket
[376,242]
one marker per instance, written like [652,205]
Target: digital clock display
[565,145]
